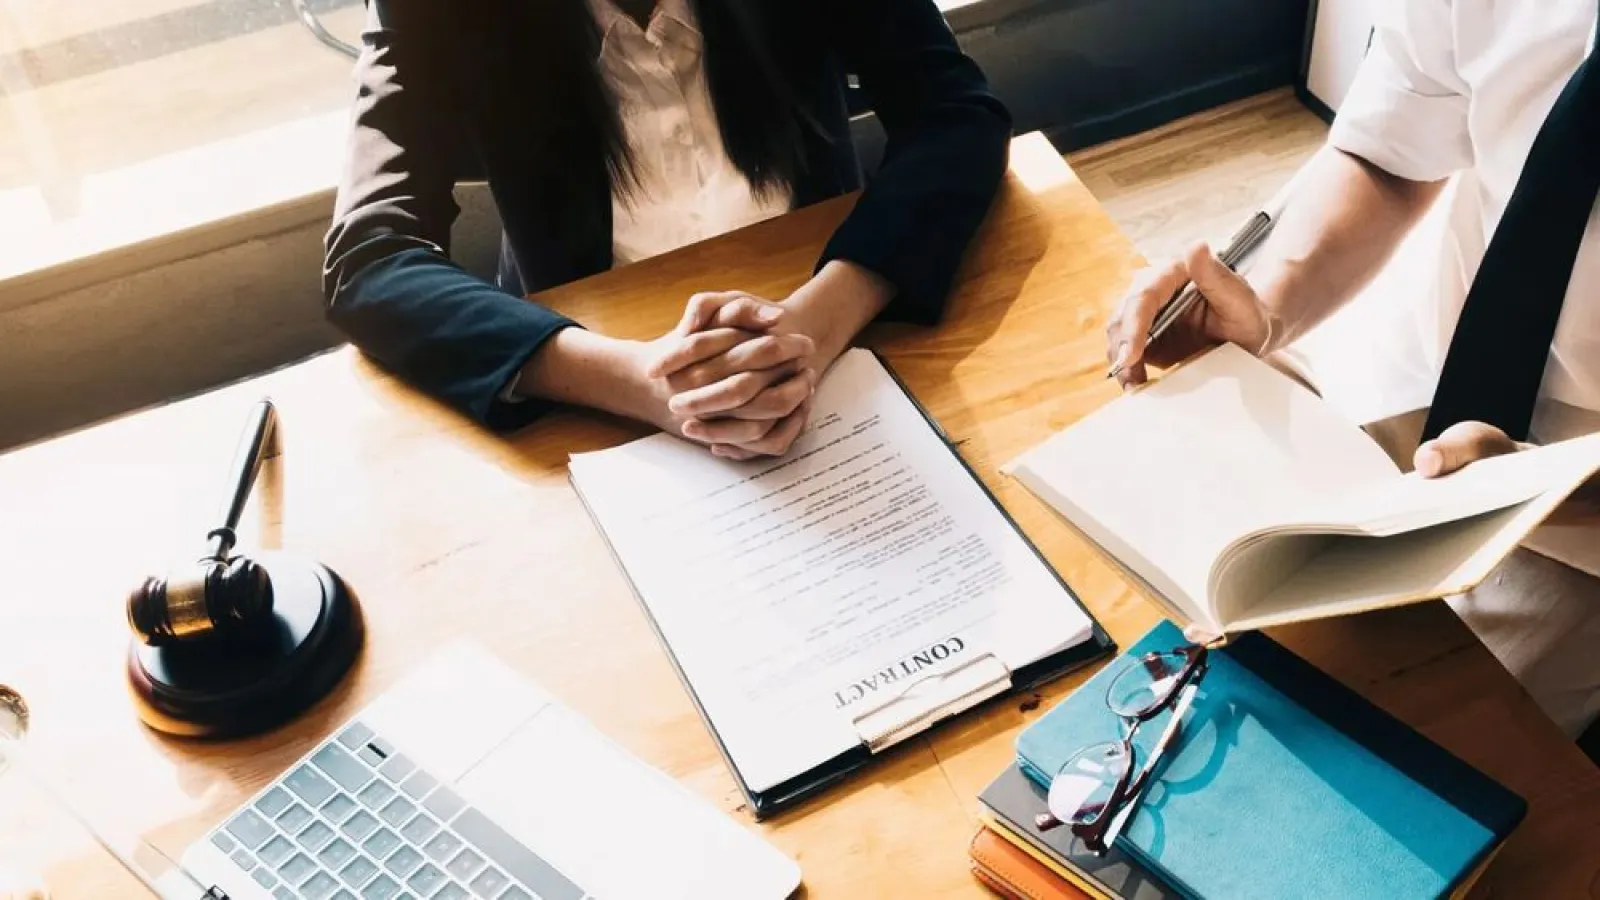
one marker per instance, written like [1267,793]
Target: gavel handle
[246,465]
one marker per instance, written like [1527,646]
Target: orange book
[1010,872]
[1077,879]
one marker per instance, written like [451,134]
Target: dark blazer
[421,111]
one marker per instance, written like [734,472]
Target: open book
[1240,500]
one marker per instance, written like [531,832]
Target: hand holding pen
[1191,304]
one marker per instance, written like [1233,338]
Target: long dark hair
[761,123]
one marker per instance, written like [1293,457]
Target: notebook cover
[786,794]
[995,885]
[1071,877]
[1014,800]
[1012,867]
[1286,783]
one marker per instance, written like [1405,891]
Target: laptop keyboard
[359,820]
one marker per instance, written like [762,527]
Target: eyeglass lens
[1146,684]
[1082,790]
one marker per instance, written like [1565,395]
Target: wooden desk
[446,532]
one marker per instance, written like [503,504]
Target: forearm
[833,307]
[580,368]
[443,331]
[1341,227]
[947,138]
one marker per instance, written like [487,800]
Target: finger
[1460,444]
[1141,281]
[1228,310]
[730,393]
[731,451]
[697,347]
[782,436]
[1204,635]
[1129,329]
[1186,336]
[1222,287]
[1230,301]
[780,399]
[1133,376]
[760,352]
[749,313]
[700,309]
[728,431]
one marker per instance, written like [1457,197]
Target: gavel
[233,645]
[220,595]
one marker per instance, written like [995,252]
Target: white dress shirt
[1460,88]
[688,189]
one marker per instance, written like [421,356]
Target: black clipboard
[805,785]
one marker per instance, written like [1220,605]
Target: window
[125,119]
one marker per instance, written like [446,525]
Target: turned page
[1407,502]
[796,593]
[1166,477]
[1409,540]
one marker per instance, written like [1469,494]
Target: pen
[1246,239]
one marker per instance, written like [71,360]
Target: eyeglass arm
[1157,754]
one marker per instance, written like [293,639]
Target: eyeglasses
[1096,790]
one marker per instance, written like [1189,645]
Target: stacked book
[1017,861]
[1281,782]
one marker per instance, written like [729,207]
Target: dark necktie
[1501,344]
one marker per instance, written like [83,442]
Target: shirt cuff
[510,409]
[508,394]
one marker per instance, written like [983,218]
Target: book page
[1411,539]
[1408,502]
[798,593]
[1169,475]
[1349,574]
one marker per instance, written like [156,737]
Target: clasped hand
[736,375]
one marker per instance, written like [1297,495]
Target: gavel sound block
[237,645]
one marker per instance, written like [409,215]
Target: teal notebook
[1285,783]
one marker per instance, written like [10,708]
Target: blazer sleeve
[946,151]
[387,275]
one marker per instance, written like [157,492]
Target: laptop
[468,781]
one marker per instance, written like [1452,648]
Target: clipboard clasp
[932,698]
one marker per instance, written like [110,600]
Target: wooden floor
[1199,177]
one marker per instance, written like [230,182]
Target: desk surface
[447,532]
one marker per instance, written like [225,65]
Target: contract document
[828,603]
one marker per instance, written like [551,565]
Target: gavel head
[215,598]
